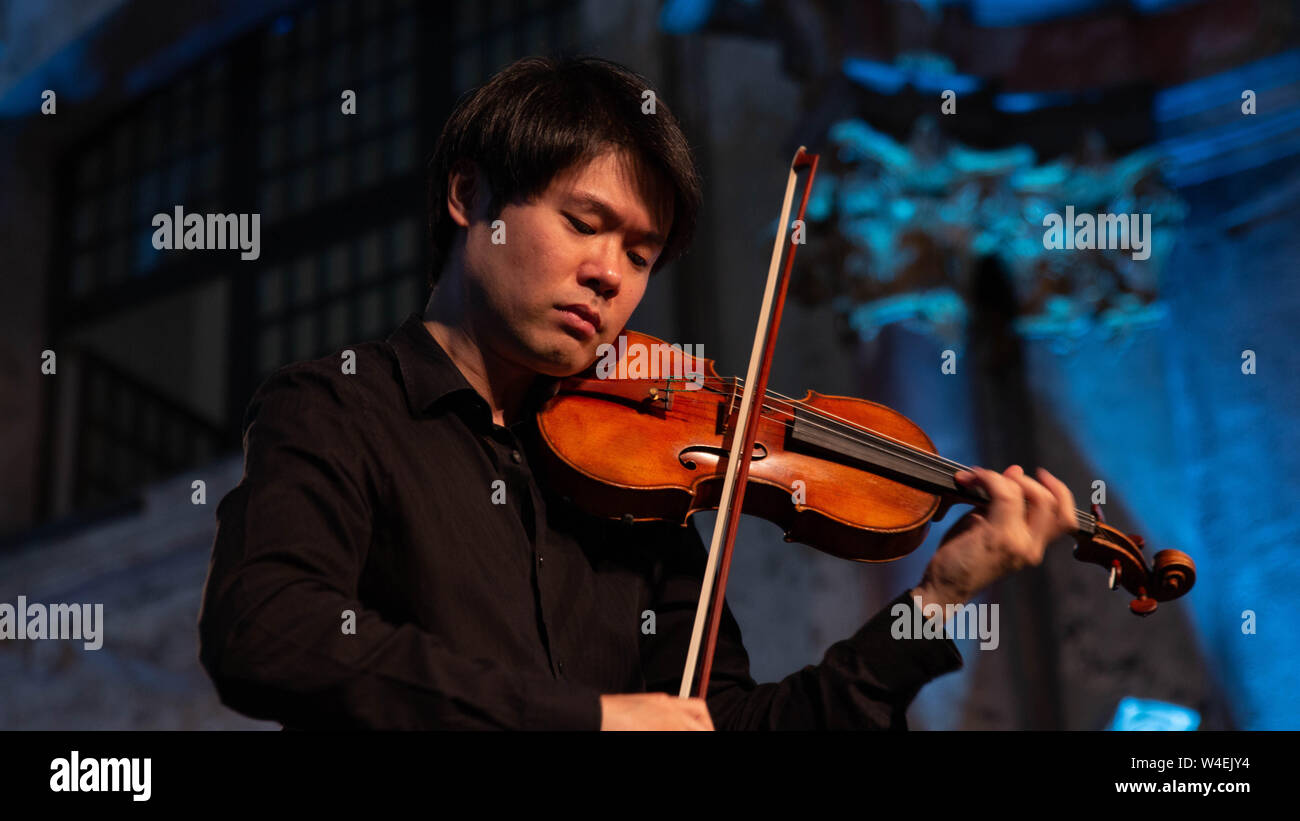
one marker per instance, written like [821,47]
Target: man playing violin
[393,558]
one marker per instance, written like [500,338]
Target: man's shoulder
[358,377]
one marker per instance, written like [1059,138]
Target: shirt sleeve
[283,633]
[865,682]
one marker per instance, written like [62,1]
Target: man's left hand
[1013,531]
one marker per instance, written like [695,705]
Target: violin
[846,476]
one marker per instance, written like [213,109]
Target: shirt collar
[429,375]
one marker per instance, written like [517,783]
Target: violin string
[1086,520]
[928,457]
[913,454]
[917,455]
[873,439]
[921,457]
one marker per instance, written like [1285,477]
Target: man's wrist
[937,594]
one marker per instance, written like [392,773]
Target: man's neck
[503,385]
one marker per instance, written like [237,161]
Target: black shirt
[389,560]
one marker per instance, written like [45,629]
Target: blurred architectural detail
[908,221]
[242,115]
[31,42]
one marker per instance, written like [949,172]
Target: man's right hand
[653,711]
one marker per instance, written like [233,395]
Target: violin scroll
[1172,574]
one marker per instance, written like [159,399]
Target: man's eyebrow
[595,204]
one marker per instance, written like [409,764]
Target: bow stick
[714,585]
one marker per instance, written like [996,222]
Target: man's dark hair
[539,117]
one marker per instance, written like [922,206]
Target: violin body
[656,449]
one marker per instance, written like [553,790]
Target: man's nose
[601,278]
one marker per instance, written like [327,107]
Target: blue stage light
[1147,714]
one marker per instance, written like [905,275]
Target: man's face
[574,264]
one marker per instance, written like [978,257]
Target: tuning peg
[1138,540]
[1143,605]
[1096,511]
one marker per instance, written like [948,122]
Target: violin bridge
[660,394]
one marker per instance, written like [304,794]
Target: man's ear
[463,191]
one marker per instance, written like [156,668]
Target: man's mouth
[581,318]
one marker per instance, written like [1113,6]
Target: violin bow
[714,584]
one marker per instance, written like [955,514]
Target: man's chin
[575,367]
[565,360]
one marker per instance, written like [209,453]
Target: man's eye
[637,260]
[580,226]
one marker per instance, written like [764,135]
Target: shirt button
[541,560]
[560,665]
[516,456]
